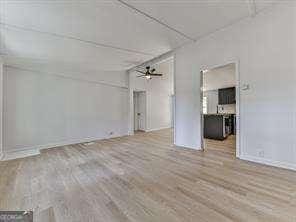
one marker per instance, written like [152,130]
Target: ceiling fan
[149,73]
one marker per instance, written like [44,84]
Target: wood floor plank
[146,178]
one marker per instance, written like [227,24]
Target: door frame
[237,105]
[145,117]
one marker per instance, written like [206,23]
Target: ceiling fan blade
[140,72]
[156,74]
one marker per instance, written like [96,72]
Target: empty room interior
[147,110]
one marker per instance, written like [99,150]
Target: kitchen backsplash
[229,108]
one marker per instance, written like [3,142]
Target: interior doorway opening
[220,109]
[139,111]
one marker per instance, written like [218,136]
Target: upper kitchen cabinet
[226,96]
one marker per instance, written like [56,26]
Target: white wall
[158,92]
[42,110]
[212,100]
[265,47]
[219,78]
[1,107]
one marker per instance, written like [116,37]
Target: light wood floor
[144,178]
[226,146]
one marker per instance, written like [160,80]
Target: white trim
[201,110]
[188,147]
[65,76]
[237,77]
[1,107]
[238,147]
[269,162]
[73,38]
[131,111]
[174,87]
[20,154]
[146,109]
[159,128]
[163,60]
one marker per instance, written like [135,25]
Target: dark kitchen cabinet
[213,127]
[233,128]
[226,96]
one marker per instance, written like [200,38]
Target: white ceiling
[107,35]
[219,78]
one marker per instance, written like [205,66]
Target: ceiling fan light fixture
[149,73]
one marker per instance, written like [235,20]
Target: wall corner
[1,108]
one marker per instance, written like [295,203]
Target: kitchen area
[219,108]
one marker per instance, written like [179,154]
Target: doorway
[220,109]
[139,111]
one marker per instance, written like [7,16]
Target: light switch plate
[245,87]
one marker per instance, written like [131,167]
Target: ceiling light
[148,77]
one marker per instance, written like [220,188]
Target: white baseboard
[269,162]
[160,128]
[35,150]
[187,147]
[20,154]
